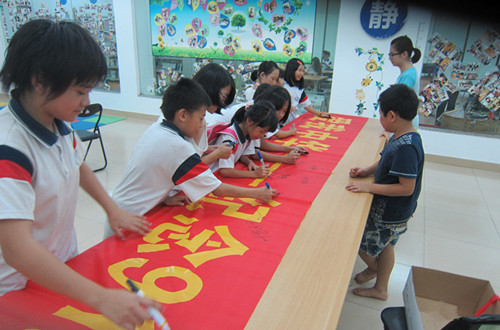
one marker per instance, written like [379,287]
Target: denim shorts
[378,234]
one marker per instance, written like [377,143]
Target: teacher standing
[402,54]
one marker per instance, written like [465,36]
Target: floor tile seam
[497,228]
[455,191]
[370,306]
[460,241]
[490,218]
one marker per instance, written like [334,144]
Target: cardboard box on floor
[434,298]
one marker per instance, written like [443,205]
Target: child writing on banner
[280,98]
[294,83]
[402,54]
[52,68]
[398,179]
[247,126]
[163,158]
[268,73]
[220,87]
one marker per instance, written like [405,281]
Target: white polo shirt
[39,180]
[299,97]
[243,146]
[161,160]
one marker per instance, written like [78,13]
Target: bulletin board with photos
[97,17]
[463,94]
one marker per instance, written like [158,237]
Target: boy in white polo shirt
[162,158]
[53,67]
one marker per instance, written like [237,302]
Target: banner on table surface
[209,262]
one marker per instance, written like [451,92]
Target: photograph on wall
[487,91]
[443,52]
[96,16]
[250,30]
[486,48]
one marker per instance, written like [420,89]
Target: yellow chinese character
[194,284]
[316,135]
[198,258]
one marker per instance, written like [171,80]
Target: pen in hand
[155,314]
[261,159]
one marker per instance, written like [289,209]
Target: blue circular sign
[383,19]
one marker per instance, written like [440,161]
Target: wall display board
[249,30]
[461,95]
[95,16]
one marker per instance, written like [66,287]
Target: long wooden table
[309,286]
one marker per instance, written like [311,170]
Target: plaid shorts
[378,234]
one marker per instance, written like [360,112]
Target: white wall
[349,70]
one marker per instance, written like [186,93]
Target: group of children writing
[52,67]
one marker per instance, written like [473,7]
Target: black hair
[326,52]
[265,67]
[403,44]
[213,77]
[56,54]
[316,65]
[282,73]
[262,113]
[401,99]
[277,95]
[292,66]
[185,94]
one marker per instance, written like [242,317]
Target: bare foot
[371,293]
[365,276]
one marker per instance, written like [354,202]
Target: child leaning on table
[247,127]
[163,158]
[53,67]
[398,177]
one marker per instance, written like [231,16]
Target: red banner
[209,262]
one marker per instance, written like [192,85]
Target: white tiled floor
[456,227]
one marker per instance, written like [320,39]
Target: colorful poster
[250,30]
[208,262]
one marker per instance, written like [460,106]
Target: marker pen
[155,314]
[261,159]
[268,185]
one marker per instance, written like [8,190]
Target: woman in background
[402,54]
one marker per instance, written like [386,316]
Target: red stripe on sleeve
[10,169]
[194,172]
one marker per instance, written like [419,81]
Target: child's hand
[210,149]
[121,219]
[292,131]
[252,166]
[292,157]
[262,171]
[224,151]
[125,308]
[357,172]
[301,150]
[176,200]
[358,187]
[265,194]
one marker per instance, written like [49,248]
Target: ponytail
[416,55]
